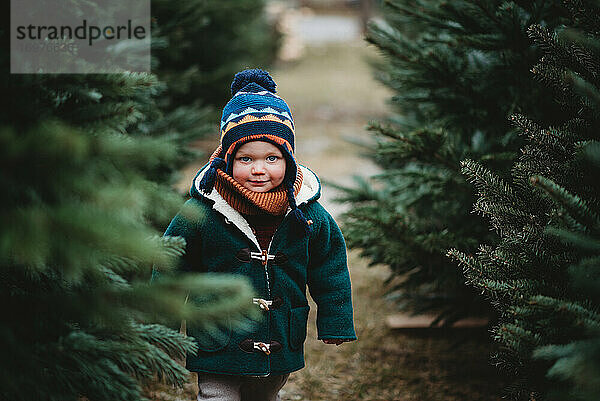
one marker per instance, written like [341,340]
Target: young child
[256,214]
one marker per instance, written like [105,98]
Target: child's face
[259,166]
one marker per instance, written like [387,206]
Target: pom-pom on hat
[256,113]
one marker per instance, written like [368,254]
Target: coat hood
[310,191]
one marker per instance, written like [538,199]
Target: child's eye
[244,159]
[272,158]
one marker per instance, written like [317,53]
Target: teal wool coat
[220,240]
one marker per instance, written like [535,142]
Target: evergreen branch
[172,342]
[472,267]
[386,130]
[570,55]
[575,363]
[586,90]
[534,132]
[148,361]
[510,263]
[584,13]
[584,317]
[502,215]
[508,289]
[583,50]
[421,144]
[487,11]
[489,186]
[573,204]
[385,37]
[411,10]
[362,191]
[580,241]
[544,38]
[521,340]
[96,362]
[550,352]
[212,297]
[585,41]
[551,75]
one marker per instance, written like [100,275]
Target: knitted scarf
[249,202]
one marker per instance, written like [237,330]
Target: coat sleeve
[329,280]
[185,225]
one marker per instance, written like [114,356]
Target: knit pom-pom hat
[256,113]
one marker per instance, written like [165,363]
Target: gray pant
[215,387]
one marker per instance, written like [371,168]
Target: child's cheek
[240,173]
[280,174]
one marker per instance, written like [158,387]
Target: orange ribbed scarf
[246,201]
[250,202]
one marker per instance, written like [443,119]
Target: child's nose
[258,168]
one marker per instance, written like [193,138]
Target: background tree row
[457,70]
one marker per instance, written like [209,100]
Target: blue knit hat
[256,113]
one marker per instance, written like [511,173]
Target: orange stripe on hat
[249,118]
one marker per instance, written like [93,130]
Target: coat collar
[309,192]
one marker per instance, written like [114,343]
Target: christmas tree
[81,195]
[457,70]
[542,275]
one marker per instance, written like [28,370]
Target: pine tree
[457,70]
[542,275]
[78,205]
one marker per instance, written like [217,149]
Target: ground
[333,95]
